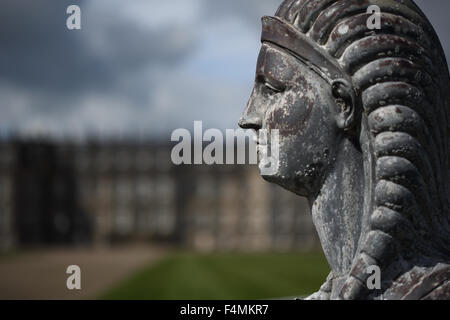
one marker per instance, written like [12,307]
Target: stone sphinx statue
[363,124]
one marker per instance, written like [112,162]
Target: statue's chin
[290,184]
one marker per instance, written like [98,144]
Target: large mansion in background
[104,192]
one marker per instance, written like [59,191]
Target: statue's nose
[250,122]
[251,119]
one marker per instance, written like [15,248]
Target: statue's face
[292,98]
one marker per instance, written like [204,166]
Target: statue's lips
[261,151]
[260,143]
[255,138]
[261,139]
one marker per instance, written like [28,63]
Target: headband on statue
[284,35]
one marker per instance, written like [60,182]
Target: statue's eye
[272,89]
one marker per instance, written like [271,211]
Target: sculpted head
[349,101]
[311,109]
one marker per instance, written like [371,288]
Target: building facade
[105,192]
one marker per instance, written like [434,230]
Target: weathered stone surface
[363,123]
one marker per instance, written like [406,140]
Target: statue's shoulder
[440,293]
[422,284]
[439,283]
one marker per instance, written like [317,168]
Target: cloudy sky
[137,66]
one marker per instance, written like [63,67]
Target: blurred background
[86,176]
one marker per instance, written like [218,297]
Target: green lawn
[225,276]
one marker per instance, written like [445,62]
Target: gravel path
[42,274]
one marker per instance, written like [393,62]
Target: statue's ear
[345,101]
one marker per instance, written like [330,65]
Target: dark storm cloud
[138,63]
[38,52]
